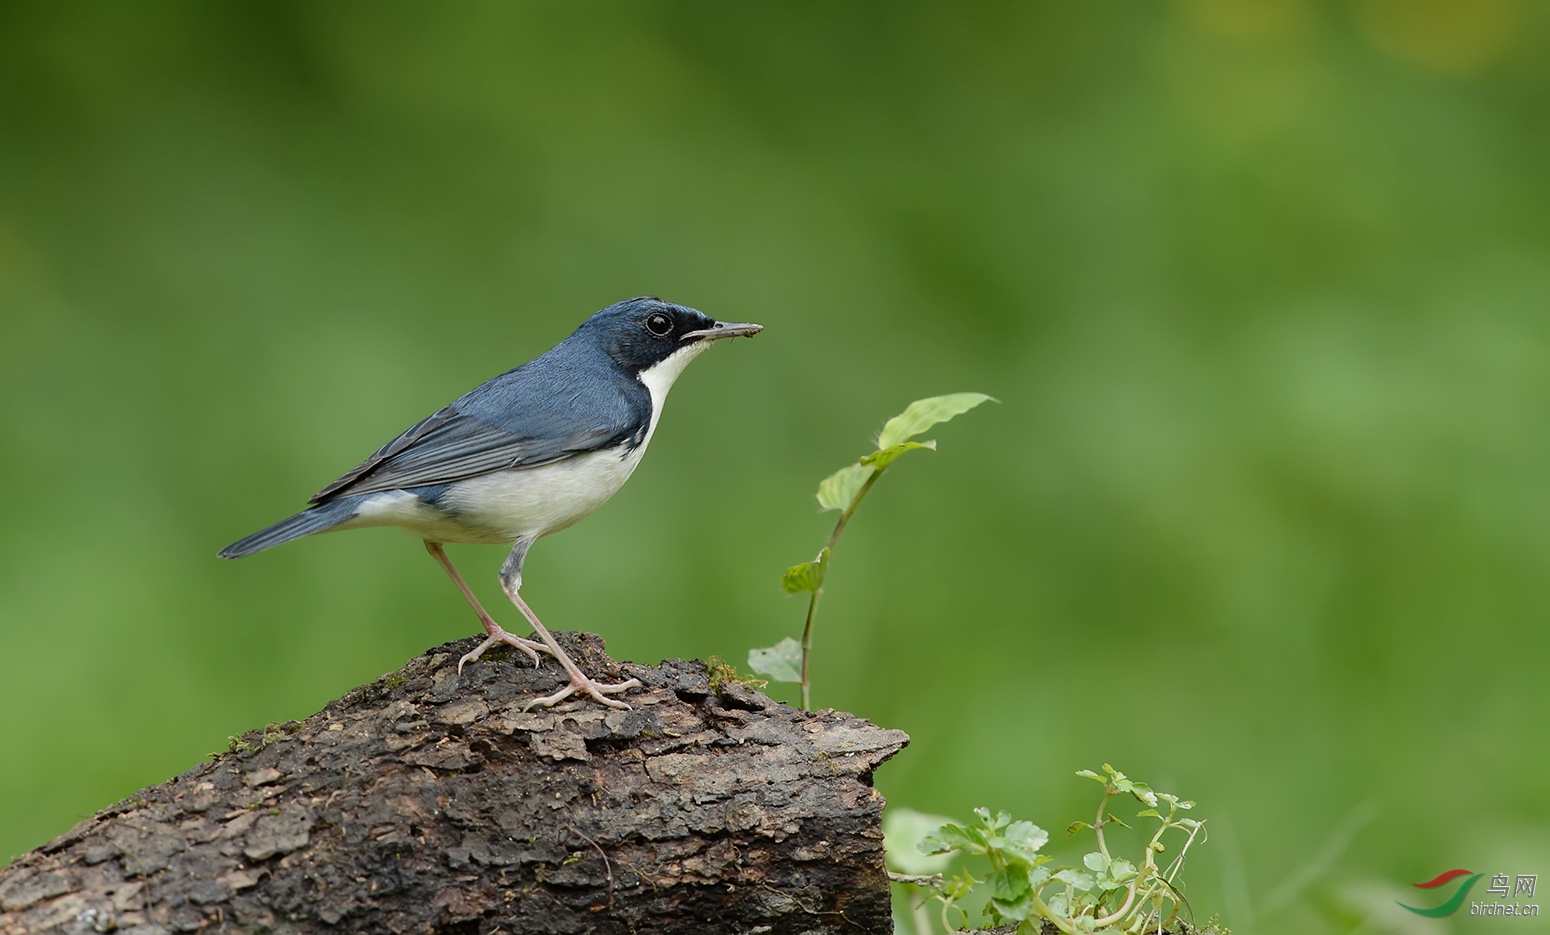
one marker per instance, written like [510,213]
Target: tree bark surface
[432,802]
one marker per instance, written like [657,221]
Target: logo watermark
[1503,887]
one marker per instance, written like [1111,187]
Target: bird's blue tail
[305,523]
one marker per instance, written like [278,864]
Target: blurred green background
[1264,516]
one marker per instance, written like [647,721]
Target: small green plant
[254,741]
[1108,893]
[719,672]
[843,490]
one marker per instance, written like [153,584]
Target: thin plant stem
[1098,822]
[812,603]
[807,646]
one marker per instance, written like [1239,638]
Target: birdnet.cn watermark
[1504,888]
[1502,895]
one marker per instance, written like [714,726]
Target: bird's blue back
[573,398]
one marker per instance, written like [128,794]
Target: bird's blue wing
[542,412]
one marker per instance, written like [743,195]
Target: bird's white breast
[530,502]
[526,503]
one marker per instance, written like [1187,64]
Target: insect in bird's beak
[725,329]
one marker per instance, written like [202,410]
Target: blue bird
[526,454]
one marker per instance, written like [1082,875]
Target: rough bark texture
[429,802]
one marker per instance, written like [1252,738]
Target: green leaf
[1023,839]
[1011,895]
[1008,885]
[1001,820]
[903,831]
[838,489]
[1096,862]
[1038,875]
[1012,911]
[947,838]
[781,662]
[1089,774]
[881,459]
[1076,826]
[1148,813]
[807,576]
[1140,790]
[924,413]
[1121,869]
[1081,882]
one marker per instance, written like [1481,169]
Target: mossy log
[432,802]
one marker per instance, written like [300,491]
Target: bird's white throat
[659,377]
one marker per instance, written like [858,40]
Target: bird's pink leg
[579,681]
[495,635]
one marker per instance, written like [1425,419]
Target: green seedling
[844,490]
[1107,893]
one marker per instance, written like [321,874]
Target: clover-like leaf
[938,842]
[924,413]
[837,490]
[887,456]
[1077,880]
[1008,884]
[1096,862]
[1016,910]
[951,837]
[1121,869]
[1140,790]
[807,576]
[781,662]
[1023,840]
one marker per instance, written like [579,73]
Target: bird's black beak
[724,329]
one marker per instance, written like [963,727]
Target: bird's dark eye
[658,324]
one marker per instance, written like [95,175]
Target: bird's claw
[502,638]
[597,691]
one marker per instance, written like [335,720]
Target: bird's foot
[597,691]
[501,638]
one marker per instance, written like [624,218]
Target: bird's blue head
[646,334]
